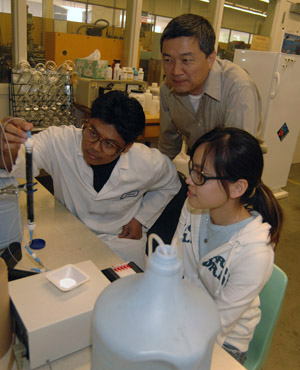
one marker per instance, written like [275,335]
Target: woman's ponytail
[264,202]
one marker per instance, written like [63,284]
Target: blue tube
[33,255]
[37,270]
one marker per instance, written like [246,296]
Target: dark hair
[237,155]
[191,25]
[124,113]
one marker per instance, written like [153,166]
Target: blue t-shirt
[212,236]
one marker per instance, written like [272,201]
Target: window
[161,23]
[5,6]
[224,35]
[241,20]
[35,8]
[239,36]
[69,11]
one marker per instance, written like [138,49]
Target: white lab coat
[141,184]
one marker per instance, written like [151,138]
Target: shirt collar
[213,84]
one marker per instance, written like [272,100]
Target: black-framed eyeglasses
[108,147]
[199,178]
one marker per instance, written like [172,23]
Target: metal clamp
[15,190]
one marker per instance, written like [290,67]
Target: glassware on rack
[21,72]
[50,65]
[41,68]
[43,95]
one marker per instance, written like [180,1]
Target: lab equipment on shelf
[43,95]
[141,74]
[108,73]
[139,96]
[154,107]
[117,72]
[148,101]
[154,89]
[87,89]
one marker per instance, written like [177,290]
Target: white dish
[67,277]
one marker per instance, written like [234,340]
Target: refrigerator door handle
[276,87]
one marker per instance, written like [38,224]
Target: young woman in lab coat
[228,229]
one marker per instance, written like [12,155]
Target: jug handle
[150,243]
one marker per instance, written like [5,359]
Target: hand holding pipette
[13,134]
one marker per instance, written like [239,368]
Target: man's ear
[238,188]
[127,147]
[211,59]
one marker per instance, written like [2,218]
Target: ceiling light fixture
[246,10]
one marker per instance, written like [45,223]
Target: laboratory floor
[285,348]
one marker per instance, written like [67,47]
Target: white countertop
[69,241]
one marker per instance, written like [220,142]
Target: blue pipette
[35,257]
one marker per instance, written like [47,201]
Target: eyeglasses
[199,178]
[108,147]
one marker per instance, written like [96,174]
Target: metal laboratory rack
[43,95]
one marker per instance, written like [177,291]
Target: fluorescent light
[265,1]
[246,10]
[204,1]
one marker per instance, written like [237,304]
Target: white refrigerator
[277,77]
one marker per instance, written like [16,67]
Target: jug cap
[165,259]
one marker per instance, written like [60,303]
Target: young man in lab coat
[116,187]
[201,91]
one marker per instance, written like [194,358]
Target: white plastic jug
[148,100]
[154,320]
[154,107]
[181,161]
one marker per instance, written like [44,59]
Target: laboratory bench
[69,241]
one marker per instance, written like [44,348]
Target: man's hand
[133,230]
[15,131]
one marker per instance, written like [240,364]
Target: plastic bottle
[181,161]
[135,74]
[154,108]
[115,62]
[154,320]
[141,74]
[148,100]
[123,75]
[129,73]
[154,89]
[139,96]
[108,73]
[117,72]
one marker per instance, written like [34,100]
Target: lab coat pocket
[126,202]
[100,207]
